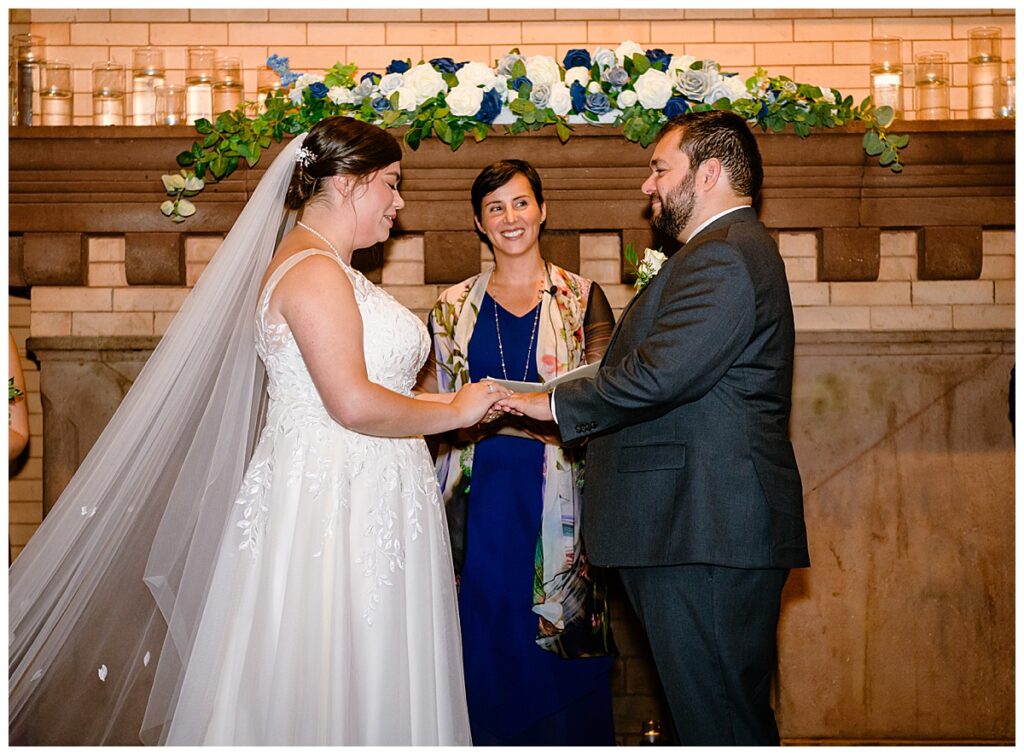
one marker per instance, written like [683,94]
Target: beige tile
[25,490]
[808,294]
[44,15]
[912,318]
[106,249]
[491,33]
[998,267]
[377,58]
[112,324]
[279,34]
[838,77]
[1005,292]
[792,53]
[798,245]
[149,299]
[402,272]
[188,35]
[801,268]
[831,318]
[525,14]
[79,57]
[108,34]
[405,249]
[70,299]
[566,32]
[983,316]
[914,28]
[590,14]
[479,53]
[231,14]
[868,12]
[319,15]
[162,321]
[652,14]
[761,30]
[682,32]
[51,324]
[318,59]
[953,292]
[27,512]
[962,25]
[455,14]
[847,53]
[424,34]
[727,56]
[943,12]
[831,29]
[864,293]
[149,15]
[201,248]
[897,268]
[19,316]
[107,274]
[192,272]
[414,297]
[601,271]
[599,246]
[346,34]
[384,14]
[613,33]
[715,14]
[54,34]
[794,13]
[533,49]
[998,242]
[898,244]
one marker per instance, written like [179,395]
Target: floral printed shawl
[559,587]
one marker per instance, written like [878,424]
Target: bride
[205,581]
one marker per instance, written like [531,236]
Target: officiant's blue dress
[518,693]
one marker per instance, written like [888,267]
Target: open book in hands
[508,423]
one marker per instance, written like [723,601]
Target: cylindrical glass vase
[170,105]
[199,84]
[887,73]
[931,85]
[56,99]
[148,72]
[267,82]
[28,71]
[108,84]
[227,84]
[984,67]
[1006,92]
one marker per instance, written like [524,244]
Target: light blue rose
[616,76]
[541,95]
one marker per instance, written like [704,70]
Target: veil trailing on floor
[105,599]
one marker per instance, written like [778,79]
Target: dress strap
[288,264]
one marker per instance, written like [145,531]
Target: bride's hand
[473,402]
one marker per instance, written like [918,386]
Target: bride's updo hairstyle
[339,146]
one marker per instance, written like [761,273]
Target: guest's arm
[17,426]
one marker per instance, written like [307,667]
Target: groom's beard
[676,209]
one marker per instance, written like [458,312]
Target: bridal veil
[105,599]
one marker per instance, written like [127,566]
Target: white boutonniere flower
[648,268]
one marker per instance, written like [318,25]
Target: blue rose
[576,57]
[676,106]
[397,66]
[579,96]
[380,104]
[616,76]
[519,82]
[489,108]
[598,103]
[444,65]
[373,77]
[318,89]
[459,65]
[657,55]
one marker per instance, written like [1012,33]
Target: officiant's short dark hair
[725,136]
[496,175]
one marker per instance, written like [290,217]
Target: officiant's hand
[533,405]
[474,401]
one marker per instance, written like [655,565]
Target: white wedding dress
[332,617]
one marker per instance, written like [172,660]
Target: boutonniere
[646,270]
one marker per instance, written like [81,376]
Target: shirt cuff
[551,398]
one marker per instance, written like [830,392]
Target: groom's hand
[534,405]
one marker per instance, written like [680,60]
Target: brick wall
[821,46]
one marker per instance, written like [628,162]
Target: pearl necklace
[322,238]
[501,349]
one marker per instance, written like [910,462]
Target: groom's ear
[709,174]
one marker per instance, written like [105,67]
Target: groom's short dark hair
[725,136]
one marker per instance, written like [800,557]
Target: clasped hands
[497,402]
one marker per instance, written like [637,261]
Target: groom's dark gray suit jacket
[689,459]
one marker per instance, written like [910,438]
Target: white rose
[577,74]
[425,81]
[594,87]
[561,100]
[406,98]
[604,57]
[542,69]
[390,82]
[475,74]
[341,96]
[680,63]
[730,87]
[826,94]
[626,98]
[465,99]
[306,79]
[499,85]
[653,89]
[627,50]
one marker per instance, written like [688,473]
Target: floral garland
[630,88]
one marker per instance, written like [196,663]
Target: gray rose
[598,103]
[540,95]
[616,75]
[364,89]
[692,84]
[506,63]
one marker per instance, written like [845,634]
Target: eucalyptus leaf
[872,143]
[173,183]
[185,208]
[167,207]
[884,115]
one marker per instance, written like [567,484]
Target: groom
[692,489]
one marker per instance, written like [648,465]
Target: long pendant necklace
[321,237]
[501,349]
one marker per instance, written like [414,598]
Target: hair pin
[305,157]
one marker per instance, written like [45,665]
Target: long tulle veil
[105,599]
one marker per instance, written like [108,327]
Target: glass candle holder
[931,85]
[56,98]
[199,84]
[1006,92]
[267,82]
[148,73]
[28,73]
[227,84]
[984,66]
[887,73]
[170,104]
[108,79]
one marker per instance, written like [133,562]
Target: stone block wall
[821,46]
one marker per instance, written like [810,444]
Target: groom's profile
[692,488]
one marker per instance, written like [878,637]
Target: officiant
[536,639]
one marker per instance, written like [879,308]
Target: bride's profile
[254,551]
